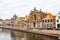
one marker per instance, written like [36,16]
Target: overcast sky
[22,7]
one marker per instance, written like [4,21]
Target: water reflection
[30,36]
[20,35]
[14,35]
[5,36]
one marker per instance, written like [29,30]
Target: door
[34,24]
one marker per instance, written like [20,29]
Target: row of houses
[9,22]
[39,19]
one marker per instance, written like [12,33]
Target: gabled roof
[27,18]
[49,15]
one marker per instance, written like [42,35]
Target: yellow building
[23,22]
[20,21]
[36,17]
[48,21]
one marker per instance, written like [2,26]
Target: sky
[23,7]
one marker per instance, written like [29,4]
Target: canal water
[14,35]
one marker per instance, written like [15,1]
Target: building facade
[8,23]
[1,22]
[48,21]
[36,17]
[22,22]
[58,21]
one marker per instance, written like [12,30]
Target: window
[34,17]
[45,21]
[48,20]
[54,22]
[47,25]
[51,20]
[58,17]
[57,20]
[50,25]
[58,25]
[8,24]
[34,24]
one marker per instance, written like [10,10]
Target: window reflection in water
[14,35]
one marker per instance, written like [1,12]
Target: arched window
[34,17]
[57,20]
[34,24]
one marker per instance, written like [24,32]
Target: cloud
[22,7]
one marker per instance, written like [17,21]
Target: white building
[58,21]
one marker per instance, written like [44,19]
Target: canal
[14,35]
